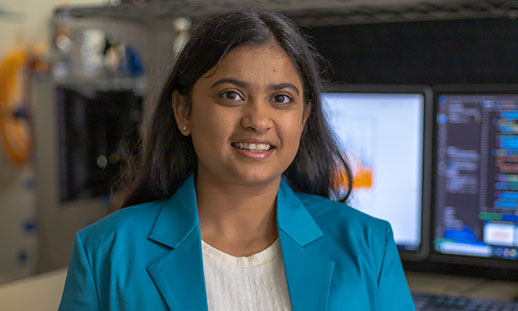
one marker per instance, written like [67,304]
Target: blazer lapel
[308,272]
[179,274]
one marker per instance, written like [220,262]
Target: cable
[14,131]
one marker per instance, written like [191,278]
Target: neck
[237,219]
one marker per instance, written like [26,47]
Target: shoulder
[329,213]
[351,237]
[345,225]
[130,222]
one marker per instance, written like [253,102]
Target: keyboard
[430,302]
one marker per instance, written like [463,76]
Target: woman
[228,208]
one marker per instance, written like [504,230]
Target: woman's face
[247,116]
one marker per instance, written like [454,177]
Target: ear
[181,112]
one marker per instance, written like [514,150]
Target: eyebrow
[281,86]
[240,83]
[231,81]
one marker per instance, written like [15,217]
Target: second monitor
[476,205]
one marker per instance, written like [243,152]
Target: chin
[257,179]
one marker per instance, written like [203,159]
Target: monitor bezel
[422,252]
[497,268]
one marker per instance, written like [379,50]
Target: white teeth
[253,147]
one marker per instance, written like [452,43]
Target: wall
[18,228]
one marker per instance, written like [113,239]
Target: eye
[231,95]
[282,99]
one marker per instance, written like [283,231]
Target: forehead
[267,63]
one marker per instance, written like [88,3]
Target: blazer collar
[179,216]
[179,275]
[293,217]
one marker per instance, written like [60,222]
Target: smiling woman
[246,118]
[228,208]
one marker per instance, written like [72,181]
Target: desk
[462,286]
[43,292]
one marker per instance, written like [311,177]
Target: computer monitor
[476,181]
[385,133]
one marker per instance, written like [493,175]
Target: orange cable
[15,137]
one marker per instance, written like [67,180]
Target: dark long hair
[168,158]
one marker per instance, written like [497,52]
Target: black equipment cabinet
[91,130]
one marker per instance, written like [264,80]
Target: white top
[250,283]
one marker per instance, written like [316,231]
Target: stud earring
[184,128]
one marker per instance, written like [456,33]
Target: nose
[257,116]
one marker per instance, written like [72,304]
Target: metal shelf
[89,86]
[306,12]
[418,12]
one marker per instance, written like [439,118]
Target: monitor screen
[476,185]
[381,131]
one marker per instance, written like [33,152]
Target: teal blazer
[148,257]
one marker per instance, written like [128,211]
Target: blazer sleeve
[393,293]
[80,291]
